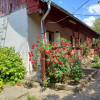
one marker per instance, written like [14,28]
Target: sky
[90,8]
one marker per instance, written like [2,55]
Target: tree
[99,2]
[96,25]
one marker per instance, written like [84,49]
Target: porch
[64,25]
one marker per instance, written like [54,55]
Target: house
[21,25]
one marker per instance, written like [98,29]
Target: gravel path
[90,92]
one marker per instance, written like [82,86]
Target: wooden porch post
[73,40]
[43,66]
[43,57]
[79,45]
[78,38]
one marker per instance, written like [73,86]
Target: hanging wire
[68,16]
[81,6]
[85,15]
[59,20]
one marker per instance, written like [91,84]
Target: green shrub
[11,66]
[76,70]
[31,98]
[1,84]
[96,58]
[59,61]
[95,64]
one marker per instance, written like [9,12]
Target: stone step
[30,84]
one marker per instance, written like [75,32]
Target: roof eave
[70,15]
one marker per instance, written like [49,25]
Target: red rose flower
[29,59]
[34,62]
[71,60]
[33,67]
[56,51]
[45,52]
[50,57]
[37,55]
[33,46]
[38,40]
[58,55]
[42,47]
[29,54]
[32,54]
[33,59]
[53,55]
[38,36]
[62,43]
[52,51]
[48,71]
[61,49]
[55,69]
[53,42]
[68,56]
[64,54]
[54,62]
[58,59]
[42,83]
[48,52]
[18,84]
[64,48]
[48,62]
[37,45]
[54,75]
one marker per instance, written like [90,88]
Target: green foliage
[76,70]
[1,84]
[85,47]
[96,25]
[31,98]
[95,64]
[46,82]
[58,61]
[95,41]
[11,66]
[96,58]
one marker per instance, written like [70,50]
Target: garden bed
[76,86]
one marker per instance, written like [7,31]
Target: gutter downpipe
[43,18]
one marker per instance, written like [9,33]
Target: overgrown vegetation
[60,61]
[96,61]
[96,25]
[95,64]
[31,98]
[11,66]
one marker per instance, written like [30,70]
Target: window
[50,36]
[80,40]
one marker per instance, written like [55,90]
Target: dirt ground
[90,92]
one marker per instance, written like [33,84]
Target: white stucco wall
[21,31]
[16,34]
[34,30]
